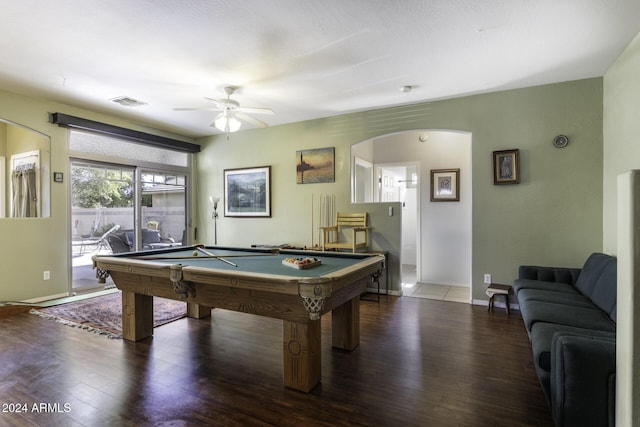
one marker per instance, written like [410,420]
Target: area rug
[103,315]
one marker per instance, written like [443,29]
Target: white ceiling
[302,59]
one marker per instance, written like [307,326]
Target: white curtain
[25,197]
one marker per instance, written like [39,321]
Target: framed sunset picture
[316,166]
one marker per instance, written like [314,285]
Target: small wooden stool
[497,289]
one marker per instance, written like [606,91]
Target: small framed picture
[445,185]
[506,167]
[247,192]
[58,177]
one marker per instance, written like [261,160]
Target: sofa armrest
[583,371]
[549,274]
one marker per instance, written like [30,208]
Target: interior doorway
[399,182]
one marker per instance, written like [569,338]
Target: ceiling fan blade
[254,110]
[197,109]
[251,120]
[220,103]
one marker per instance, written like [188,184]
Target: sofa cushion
[564,314]
[605,290]
[520,284]
[568,298]
[549,274]
[591,272]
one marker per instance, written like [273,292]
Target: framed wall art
[247,192]
[315,166]
[445,185]
[506,167]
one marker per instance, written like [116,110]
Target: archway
[441,249]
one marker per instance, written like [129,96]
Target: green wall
[554,217]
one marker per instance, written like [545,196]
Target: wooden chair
[358,224]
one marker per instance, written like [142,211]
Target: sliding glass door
[102,208]
[125,196]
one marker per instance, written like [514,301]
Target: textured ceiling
[302,59]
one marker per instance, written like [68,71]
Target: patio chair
[99,243]
[119,243]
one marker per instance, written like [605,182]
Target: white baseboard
[47,298]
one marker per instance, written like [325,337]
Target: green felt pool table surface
[254,260]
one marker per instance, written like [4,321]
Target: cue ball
[195,253]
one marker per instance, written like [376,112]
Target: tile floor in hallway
[412,288]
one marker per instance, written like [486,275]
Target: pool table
[255,281]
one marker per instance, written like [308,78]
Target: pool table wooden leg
[345,325]
[198,311]
[137,316]
[301,354]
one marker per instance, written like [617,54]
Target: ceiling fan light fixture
[227,123]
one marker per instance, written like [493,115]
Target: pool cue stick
[160,257]
[274,251]
[215,256]
[168,258]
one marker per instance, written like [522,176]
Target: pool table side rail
[131,265]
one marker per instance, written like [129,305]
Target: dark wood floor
[420,363]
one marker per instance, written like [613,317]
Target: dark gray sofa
[570,316]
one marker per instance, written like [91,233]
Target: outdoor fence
[89,222]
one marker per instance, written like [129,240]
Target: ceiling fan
[231,113]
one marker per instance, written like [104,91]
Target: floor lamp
[214,215]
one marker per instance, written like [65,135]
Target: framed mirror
[25,156]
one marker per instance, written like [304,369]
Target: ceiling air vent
[128,102]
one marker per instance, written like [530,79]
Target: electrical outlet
[46,275]
[487,279]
